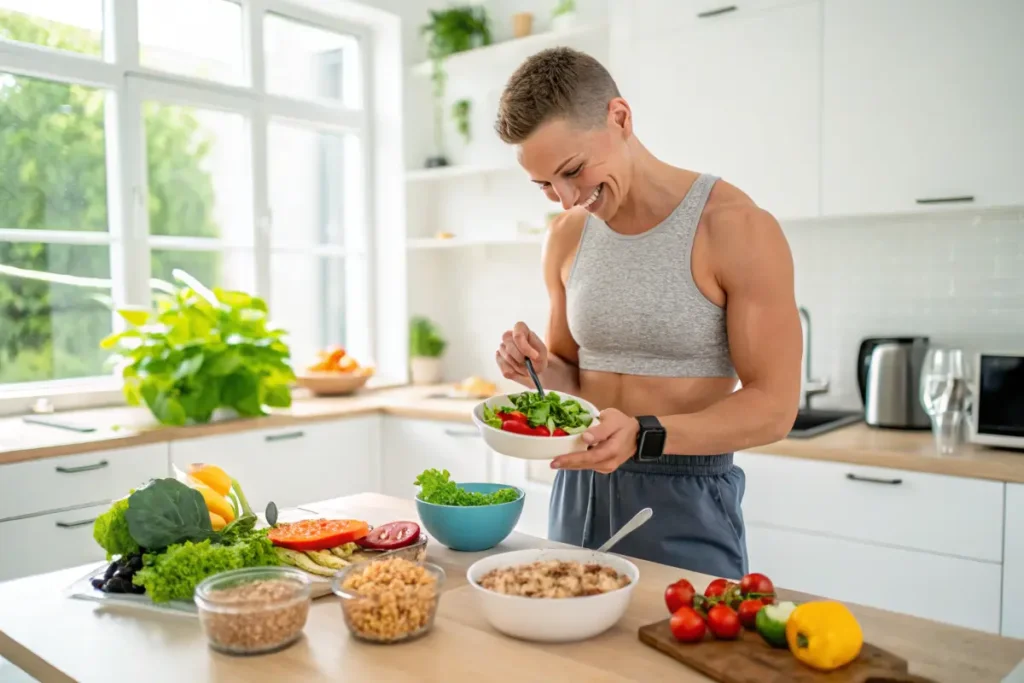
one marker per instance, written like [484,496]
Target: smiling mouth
[593,197]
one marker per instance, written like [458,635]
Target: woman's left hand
[611,442]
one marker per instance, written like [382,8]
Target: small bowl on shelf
[333,383]
[472,528]
[255,610]
[389,600]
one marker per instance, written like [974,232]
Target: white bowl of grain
[254,610]
[541,594]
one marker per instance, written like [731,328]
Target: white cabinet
[737,96]
[47,484]
[46,543]
[1013,563]
[535,477]
[922,101]
[410,446]
[880,537]
[293,465]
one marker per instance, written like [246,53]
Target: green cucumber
[771,623]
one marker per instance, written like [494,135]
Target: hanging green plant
[460,113]
[449,31]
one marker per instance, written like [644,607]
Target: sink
[811,422]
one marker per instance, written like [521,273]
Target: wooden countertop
[120,427]
[56,638]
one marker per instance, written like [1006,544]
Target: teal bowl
[472,528]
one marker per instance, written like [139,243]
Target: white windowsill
[77,394]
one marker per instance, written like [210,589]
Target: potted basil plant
[426,347]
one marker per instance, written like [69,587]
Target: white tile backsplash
[957,277]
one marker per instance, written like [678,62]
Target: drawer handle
[966,199]
[459,434]
[873,480]
[72,525]
[83,468]
[716,12]
[287,436]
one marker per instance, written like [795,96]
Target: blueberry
[115,585]
[138,590]
[110,570]
[135,562]
[97,583]
[125,573]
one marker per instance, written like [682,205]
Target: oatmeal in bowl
[553,594]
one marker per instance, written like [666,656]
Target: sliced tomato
[318,534]
[541,430]
[517,427]
[560,432]
[391,536]
[513,415]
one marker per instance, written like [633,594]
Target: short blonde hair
[555,83]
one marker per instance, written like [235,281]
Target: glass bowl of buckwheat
[389,600]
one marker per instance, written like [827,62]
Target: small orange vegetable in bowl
[335,374]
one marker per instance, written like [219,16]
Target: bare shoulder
[561,242]
[740,233]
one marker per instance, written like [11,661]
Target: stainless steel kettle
[889,376]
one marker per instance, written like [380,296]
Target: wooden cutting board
[749,659]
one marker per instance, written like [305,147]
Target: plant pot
[522,24]
[436,162]
[564,22]
[425,370]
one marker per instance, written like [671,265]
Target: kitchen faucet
[810,387]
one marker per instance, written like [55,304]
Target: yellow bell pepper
[824,635]
[211,475]
[217,522]
[216,503]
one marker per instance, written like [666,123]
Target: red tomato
[679,594]
[517,427]
[686,625]
[723,622]
[513,415]
[758,586]
[541,430]
[748,612]
[391,536]
[560,432]
[716,588]
[317,534]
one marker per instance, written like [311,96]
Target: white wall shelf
[512,48]
[442,172]
[424,243]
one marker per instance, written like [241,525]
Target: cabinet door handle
[965,199]
[83,468]
[460,434]
[716,12]
[873,480]
[72,525]
[287,436]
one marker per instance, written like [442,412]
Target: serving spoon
[534,377]
[639,519]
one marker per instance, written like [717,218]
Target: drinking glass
[945,395]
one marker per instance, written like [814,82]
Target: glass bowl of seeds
[255,610]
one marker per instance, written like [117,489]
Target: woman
[667,287]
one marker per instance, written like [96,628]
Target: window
[170,145]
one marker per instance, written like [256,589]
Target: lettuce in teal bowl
[469,517]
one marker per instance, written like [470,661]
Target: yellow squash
[824,635]
[216,503]
[211,475]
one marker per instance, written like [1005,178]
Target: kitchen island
[56,638]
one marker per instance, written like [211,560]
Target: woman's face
[576,166]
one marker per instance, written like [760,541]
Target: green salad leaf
[437,487]
[550,410]
[111,531]
[166,512]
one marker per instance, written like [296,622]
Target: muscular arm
[755,269]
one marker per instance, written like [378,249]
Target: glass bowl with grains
[255,610]
[389,600]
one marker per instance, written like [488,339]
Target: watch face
[652,445]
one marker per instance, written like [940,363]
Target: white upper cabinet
[922,105]
[735,94]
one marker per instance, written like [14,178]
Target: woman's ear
[620,116]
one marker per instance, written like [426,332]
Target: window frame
[127,86]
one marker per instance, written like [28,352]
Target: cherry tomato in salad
[686,625]
[560,432]
[391,536]
[317,534]
[679,594]
[748,612]
[723,622]
[758,586]
[541,430]
[514,415]
[517,427]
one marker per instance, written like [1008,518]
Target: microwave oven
[998,415]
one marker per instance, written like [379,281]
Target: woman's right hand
[517,345]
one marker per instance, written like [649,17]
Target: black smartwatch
[650,440]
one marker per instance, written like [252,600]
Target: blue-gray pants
[697,522]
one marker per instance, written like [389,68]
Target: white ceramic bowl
[524,446]
[553,620]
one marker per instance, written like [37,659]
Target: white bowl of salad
[524,425]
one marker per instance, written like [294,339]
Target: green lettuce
[111,531]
